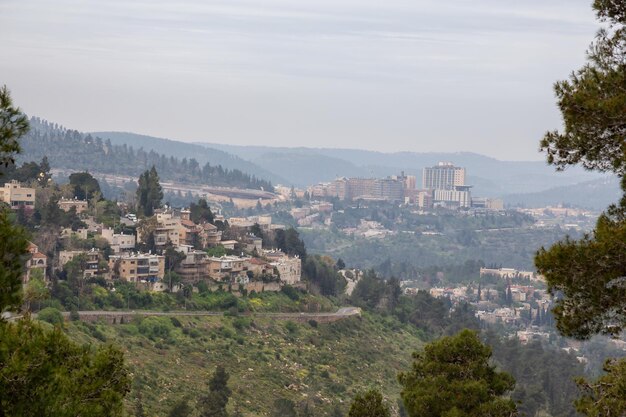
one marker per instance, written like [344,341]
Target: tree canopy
[213,404]
[452,377]
[84,185]
[42,372]
[13,125]
[201,212]
[149,193]
[369,404]
[587,275]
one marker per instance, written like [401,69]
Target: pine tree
[588,273]
[43,372]
[453,377]
[369,404]
[213,404]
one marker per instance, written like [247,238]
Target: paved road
[342,312]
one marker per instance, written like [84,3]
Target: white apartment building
[443,176]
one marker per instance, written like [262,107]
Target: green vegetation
[149,193]
[321,366]
[409,255]
[52,376]
[592,104]
[94,295]
[604,397]
[13,252]
[369,404]
[13,125]
[84,186]
[72,150]
[201,212]
[453,377]
[42,371]
[588,275]
[51,315]
[213,404]
[545,375]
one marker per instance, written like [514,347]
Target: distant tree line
[73,150]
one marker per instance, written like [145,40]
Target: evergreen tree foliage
[452,377]
[28,172]
[605,397]
[84,185]
[149,193]
[213,404]
[13,256]
[181,409]
[284,408]
[139,412]
[544,374]
[319,271]
[71,149]
[43,373]
[587,275]
[13,125]
[201,212]
[369,404]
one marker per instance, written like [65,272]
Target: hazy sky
[416,75]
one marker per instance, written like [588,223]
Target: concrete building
[37,261]
[79,205]
[226,268]
[195,267]
[168,230]
[138,267]
[510,273]
[92,260]
[443,176]
[458,196]
[389,189]
[289,267]
[487,203]
[119,242]
[17,196]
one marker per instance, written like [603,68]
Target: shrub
[290,292]
[51,315]
[156,327]
[241,323]
[291,327]
[74,316]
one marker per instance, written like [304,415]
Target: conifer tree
[149,193]
[369,404]
[587,275]
[213,404]
[42,372]
[453,377]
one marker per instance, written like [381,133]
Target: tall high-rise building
[443,176]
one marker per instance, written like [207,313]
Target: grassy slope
[323,365]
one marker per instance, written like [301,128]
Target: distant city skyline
[420,76]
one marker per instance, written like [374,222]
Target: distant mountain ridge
[517,182]
[181,150]
[490,177]
[71,149]
[596,195]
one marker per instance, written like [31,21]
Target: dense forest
[70,149]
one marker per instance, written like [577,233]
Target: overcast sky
[389,75]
